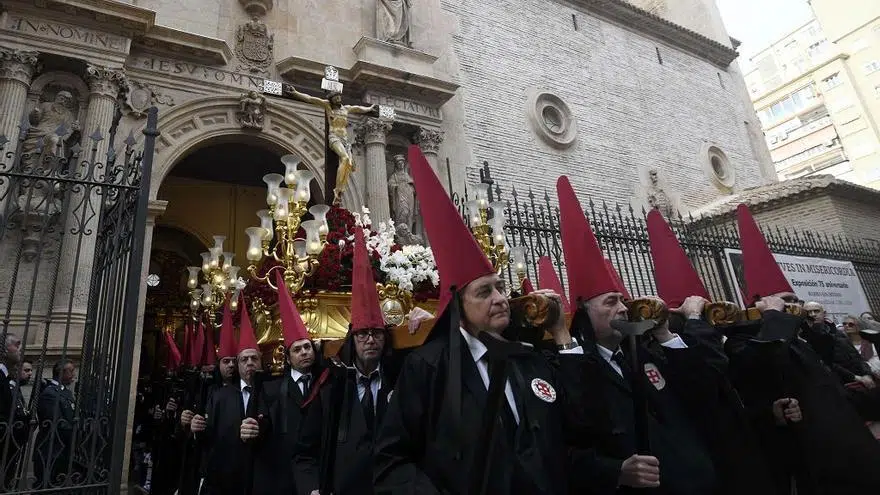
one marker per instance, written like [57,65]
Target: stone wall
[633,112]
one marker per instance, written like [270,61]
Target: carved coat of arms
[254,46]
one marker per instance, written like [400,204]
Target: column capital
[429,140]
[19,65]
[373,130]
[105,82]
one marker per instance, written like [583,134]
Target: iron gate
[533,222]
[71,251]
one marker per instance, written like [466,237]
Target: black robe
[14,432]
[353,472]
[286,416]
[830,451]
[718,414]
[53,449]
[415,451]
[685,465]
[229,460]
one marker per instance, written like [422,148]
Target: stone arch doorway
[197,123]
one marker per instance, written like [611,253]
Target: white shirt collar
[4,369]
[606,353]
[296,375]
[242,384]
[477,348]
[376,372]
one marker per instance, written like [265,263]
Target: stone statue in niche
[54,129]
[657,197]
[254,46]
[252,110]
[393,21]
[402,194]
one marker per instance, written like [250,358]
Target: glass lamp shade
[518,259]
[196,295]
[233,301]
[255,236]
[266,223]
[193,279]
[498,211]
[273,182]
[299,247]
[282,208]
[303,186]
[206,294]
[481,194]
[474,214]
[218,242]
[320,214]
[216,253]
[497,233]
[206,261]
[227,260]
[233,275]
[313,239]
[290,163]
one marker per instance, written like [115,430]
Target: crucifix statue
[336,125]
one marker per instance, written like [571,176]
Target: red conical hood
[210,352]
[547,279]
[587,275]
[527,287]
[617,280]
[762,273]
[174,357]
[365,310]
[228,344]
[674,274]
[246,337]
[459,259]
[196,345]
[291,321]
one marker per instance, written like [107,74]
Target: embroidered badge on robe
[654,376]
[543,390]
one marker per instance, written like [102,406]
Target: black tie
[367,401]
[619,358]
[305,379]
[508,420]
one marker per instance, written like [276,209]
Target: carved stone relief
[252,110]
[141,96]
[254,47]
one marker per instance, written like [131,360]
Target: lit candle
[255,235]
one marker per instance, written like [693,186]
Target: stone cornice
[122,17]
[642,21]
[205,50]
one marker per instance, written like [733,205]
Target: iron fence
[533,222]
[71,249]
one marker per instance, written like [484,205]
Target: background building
[817,94]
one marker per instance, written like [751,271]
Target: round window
[719,168]
[551,119]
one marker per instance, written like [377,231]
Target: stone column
[16,70]
[155,209]
[374,132]
[429,140]
[80,231]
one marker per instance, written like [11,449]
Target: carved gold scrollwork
[647,308]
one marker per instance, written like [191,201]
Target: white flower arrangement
[408,267]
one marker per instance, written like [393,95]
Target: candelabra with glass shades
[489,233]
[214,282]
[297,257]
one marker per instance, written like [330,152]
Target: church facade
[638,101]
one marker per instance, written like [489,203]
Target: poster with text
[832,283]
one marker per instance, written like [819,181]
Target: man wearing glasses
[359,387]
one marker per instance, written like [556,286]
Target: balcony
[812,160]
[782,138]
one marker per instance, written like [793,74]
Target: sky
[757,23]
